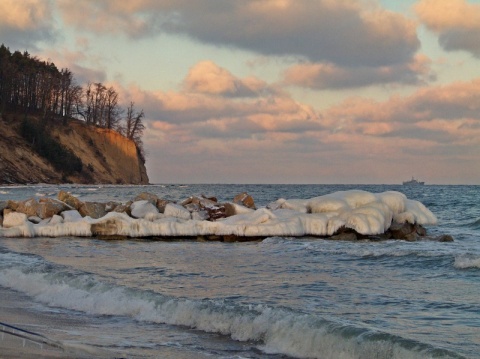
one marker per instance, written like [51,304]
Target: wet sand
[16,310]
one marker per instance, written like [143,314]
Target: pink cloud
[456,22]
[331,76]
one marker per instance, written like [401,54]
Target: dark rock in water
[345,236]
[245,200]
[421,231]
[145,196]
[92,209]
[401,230]
[69,199]
[444,238]
[1,220]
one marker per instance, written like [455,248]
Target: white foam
[279,331]
[466,262]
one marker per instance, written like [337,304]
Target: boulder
[177,211]
[145,196]
[444,238]
[110,206]
[245,199]
[3,205]
[401,230]
[211,210]
[92,209]
[11,204]
[139,209]
[48,207]
[35,219]
[28,207]
[71,216]
[69,199]
[56,219]
[14,219]
[123,208]
[232,209]
[161,204]
[1,220]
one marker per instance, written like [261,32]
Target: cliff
[106,156]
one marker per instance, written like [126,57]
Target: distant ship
[413,182]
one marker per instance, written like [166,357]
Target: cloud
[456,22]
[25,22]
[331,76]
[208,136]
[209,78]
[347,33]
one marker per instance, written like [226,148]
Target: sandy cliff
[107,156]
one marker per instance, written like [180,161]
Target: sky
[278,91]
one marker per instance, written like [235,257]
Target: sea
[276,298]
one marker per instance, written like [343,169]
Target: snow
[140,209]
[366,213]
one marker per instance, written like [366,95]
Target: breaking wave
[275,330]
[465,262]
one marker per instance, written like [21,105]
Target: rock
[140,209]
[71,216]
[232,209]
[421,231]
[123,208]
[444,238]
[161,204]
[56,219]
[105,228]
[14,219]
[177,211]
[411,237]
[200,216]
[35,219]
[3,205]
[48,207]
[245,199]
[344,236]
[1,220]
[11,204]
[69,199]
[28,207]
[145,196]
[92,209]
[110,206]
[401,230]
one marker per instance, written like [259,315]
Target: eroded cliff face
[107,156]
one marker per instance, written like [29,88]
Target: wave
[276,330]
[466,262]
[474,224]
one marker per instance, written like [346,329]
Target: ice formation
[363,212]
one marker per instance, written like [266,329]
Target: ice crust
[366,213]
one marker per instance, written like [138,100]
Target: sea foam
[276,330]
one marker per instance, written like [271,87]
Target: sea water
[277,298]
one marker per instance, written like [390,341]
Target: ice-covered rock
[350,213]
[177,211]
[245,200]
[71,216]
[14,219]
[140,209]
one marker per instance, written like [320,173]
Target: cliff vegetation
[53,130]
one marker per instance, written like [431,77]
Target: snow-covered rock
[356,211]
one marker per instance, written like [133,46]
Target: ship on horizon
[413,182]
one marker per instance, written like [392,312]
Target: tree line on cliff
[31,86]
